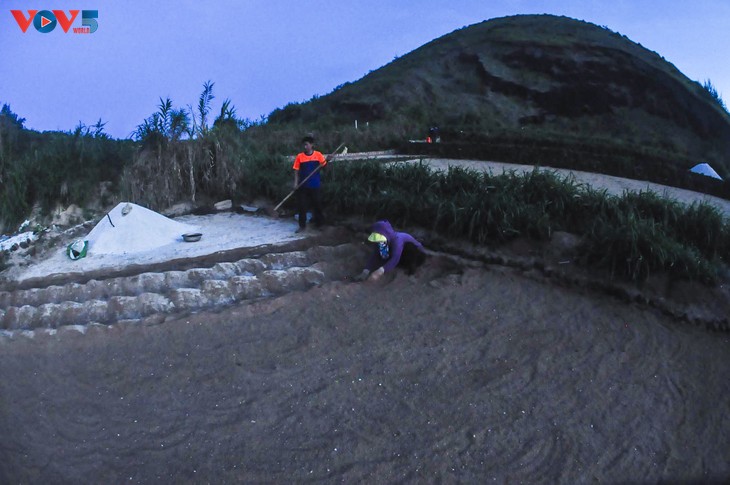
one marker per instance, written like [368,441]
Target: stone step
[147,294]
[160,282]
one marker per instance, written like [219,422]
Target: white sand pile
[131,228]
[146,237]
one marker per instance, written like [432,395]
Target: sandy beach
[269,365]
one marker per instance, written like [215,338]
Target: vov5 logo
[45,21]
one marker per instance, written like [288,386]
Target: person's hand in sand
[375,275]
[367,275]
[391,249]
[362,276]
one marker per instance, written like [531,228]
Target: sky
[263,54]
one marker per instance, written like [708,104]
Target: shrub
[710,88]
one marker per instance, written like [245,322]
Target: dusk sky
[264,54]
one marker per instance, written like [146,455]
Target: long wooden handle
[308,177]
[297,187]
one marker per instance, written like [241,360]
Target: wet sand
[452,375]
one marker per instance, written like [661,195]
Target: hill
[577,91]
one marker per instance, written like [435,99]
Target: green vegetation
[541,90]
[631,236]
[180,156]
[710,88]
[53,167]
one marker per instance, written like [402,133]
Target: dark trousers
[309,198]
[411,258]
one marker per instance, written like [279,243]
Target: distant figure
[308,163]
[391,249]
[433,135]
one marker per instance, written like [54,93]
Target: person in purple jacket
[391,249]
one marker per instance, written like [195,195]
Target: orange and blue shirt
[306,164]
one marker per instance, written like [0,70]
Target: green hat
[377,237]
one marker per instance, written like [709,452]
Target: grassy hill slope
[536,79]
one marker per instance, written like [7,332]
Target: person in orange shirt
[308,196]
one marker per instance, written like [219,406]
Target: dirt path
[613,185]
[453,375]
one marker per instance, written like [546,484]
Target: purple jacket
[396,242]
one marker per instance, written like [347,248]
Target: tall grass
[631,236]
[182,156]
[710,88]
[48,168]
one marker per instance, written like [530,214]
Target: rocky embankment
[155,293]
